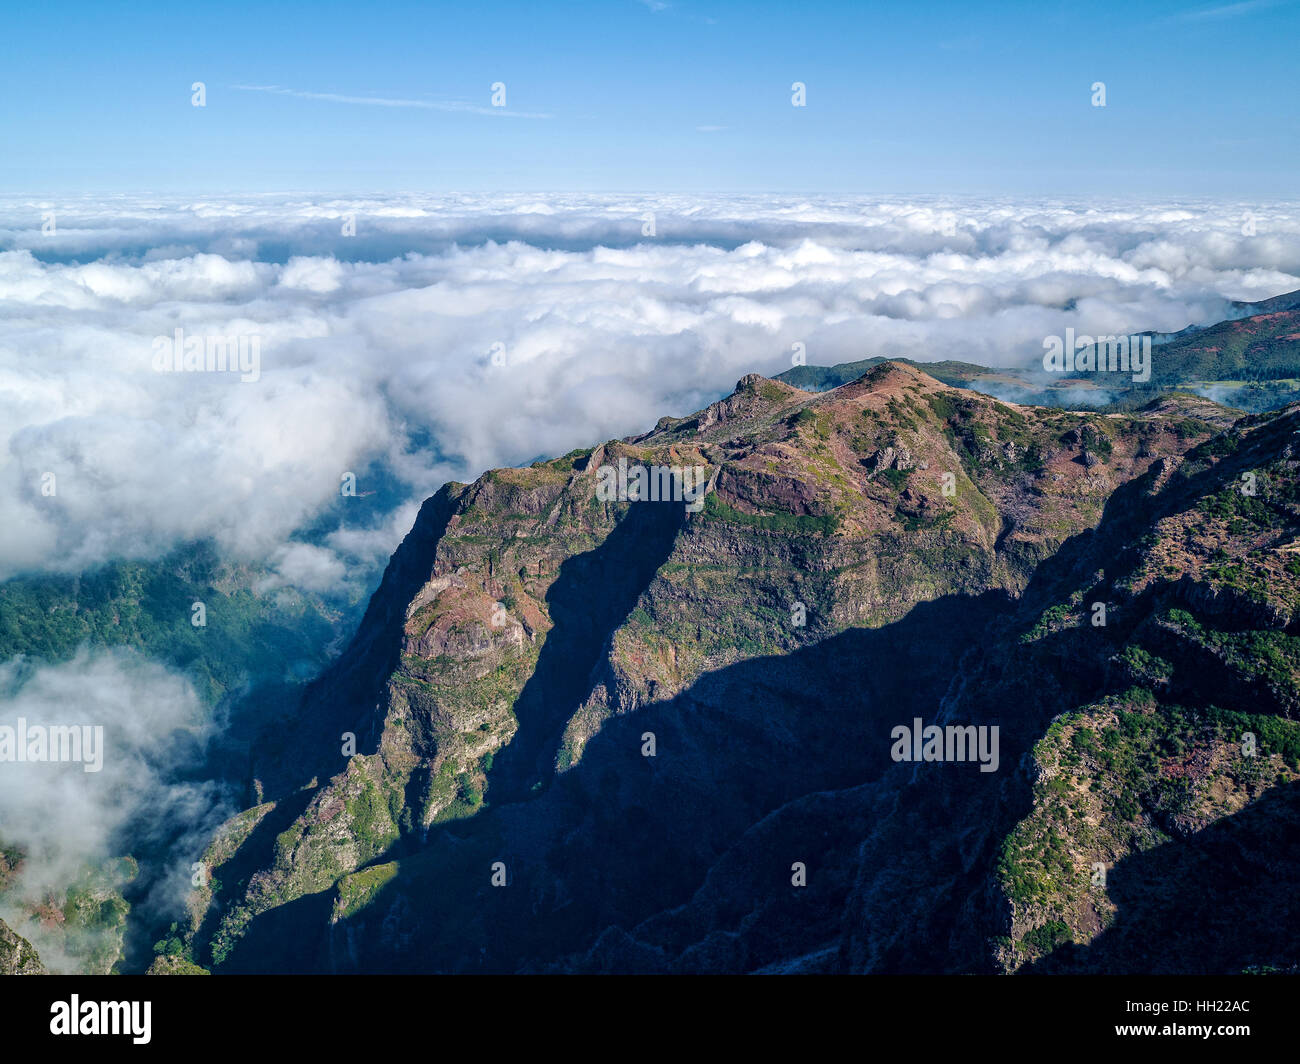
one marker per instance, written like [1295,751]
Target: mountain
[576,733]
[955,374]
[1251,361]
[1262,347]
[1285,301]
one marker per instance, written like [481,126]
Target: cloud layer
[67,820]
[453,334]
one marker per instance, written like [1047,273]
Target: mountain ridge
[540,635]
[1252,358]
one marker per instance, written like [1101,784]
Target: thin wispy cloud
[662,7]
[456,106]
[1226,11]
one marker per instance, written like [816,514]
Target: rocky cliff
[17,957]
[582,730]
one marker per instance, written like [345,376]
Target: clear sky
[665,95]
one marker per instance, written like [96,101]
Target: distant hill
[1286,301]
[824,378]
[1257,348]
[1251,362]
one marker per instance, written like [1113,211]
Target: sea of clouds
[452,334]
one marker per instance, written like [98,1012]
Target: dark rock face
[619,736]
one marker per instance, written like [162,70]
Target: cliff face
[1149,823]
[17,956]
[589,733]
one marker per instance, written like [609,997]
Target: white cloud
[66,820]
[1226,11]
[377,349]
[460,106]
[319,275]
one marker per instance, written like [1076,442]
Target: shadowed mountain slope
[577,732]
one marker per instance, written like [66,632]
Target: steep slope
[1146,815]
[17,957]
[612,706]
[1151,819]
[250,655]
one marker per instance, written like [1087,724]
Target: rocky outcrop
[17,955]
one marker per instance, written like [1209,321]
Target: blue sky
[691,95]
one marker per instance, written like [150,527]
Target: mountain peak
[891,378]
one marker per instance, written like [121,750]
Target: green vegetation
[1042,940]
[148,607]
[358,890]
[1096,441]
[718,510]
[932,523]
[372,827]
[1145,665]
[173,945]
[942,406]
